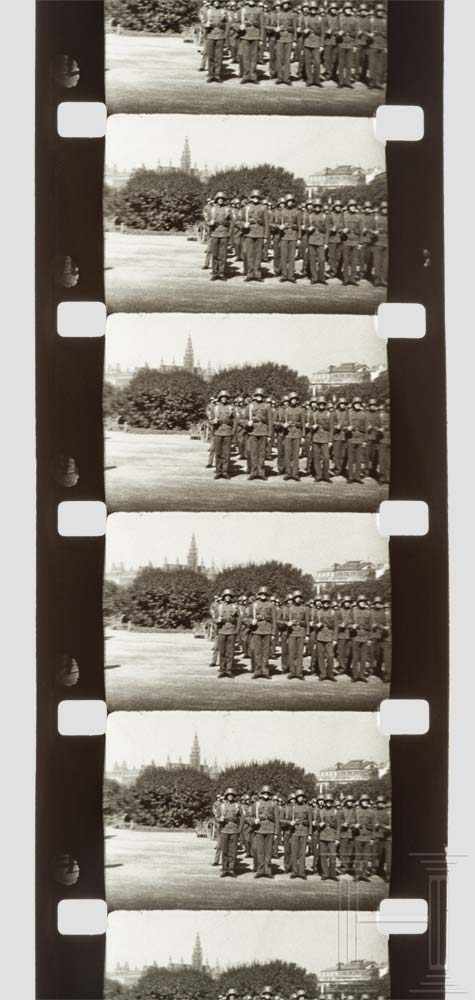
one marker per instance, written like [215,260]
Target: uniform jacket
[382,823]
[352,223]
[251,24]
[343,622]
[215,23]
[227,618]
[296,619]
[340,421]
[362,623]
[377,29]
[284,25]
[301,818]
[220,220]
[380,229]
[229,817]
[364,823]
[335,225]
[326,621]
[264,619]
[357,425]
[291,220]
[384,427]
[316,226]
[255,221]
[381,624]
[347,820]
[261,417]
[266,816]
[347,30]
[374,424]
[367,228]
[328,823]
[320,426]
[331,26]
[223,419]
[293,421]
[313,26]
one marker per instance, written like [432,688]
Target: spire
[185,160]
[192,558]
[197,956]
[195,755]
[189,357]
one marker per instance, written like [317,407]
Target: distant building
[185,159]
[118,376]
[193,560]
[121,574]
[360,974]
[126,974]
[345,374]
[123,773]
[351,571]
[334,177]
[353,770]
[127,775]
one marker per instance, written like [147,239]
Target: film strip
[70,860]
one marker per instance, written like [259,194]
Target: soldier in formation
[319,42]
[325,638]
[327,835]
[318,438]
[313,240]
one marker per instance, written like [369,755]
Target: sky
[315,342]
[313,940]
[309,541]
[302,145]
[312,740]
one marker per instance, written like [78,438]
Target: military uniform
[255,230]
[301,826]
[382,841]
[316,227]
[251,30]
[285,824]
[381,629]
[220,223]
[340,421]
[360,643]
[294,428]
[364,841]
[347,820]
[328,824]
[229,819]
[334,222]
[325,636]
[321,432]
[264,627]
[347,30]
[284,26]
[259,422]
[227,622]
[351,242]
[380,249]
[330,46]
[290,226]
[216,29]
[296,618]
[377,51]
[224,427]
[343,632]
[277,237]
[384,445]
[312,34]
[266,827]
[357,431]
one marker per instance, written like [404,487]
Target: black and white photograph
[246,612]
[200,413]
[246,956]
[287,57]
[246,214]
[238,811]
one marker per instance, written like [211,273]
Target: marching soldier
[216,30]
[316,227]
[264,626]
[224,429]
[251,32]
[351,242]
[227,623]
[373,435]
[246,824]
[380,246]
[321,432]
[377,48]
[381,640]
[318,805]
[284,638]
[347,30]
[313,32]
[229,819]
[213,610]
[340,421]
[330,45]
[255,230]
[297,622]
[294,428]
[328,824]
[266,828]
[290,226]
[361,638]
[347,820]
[286,816]
[334,221]
[382,838]
[384,443]
[279,429]
[284,26]
[221,231]
[259,428]
[356,433]
[343,625]
[217,809]
[364,838]
[301,827]
[325,633]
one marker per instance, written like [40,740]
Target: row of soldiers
[349,837]
[268,993]
[333,240]
[313,41]
[337,637]
[348,439]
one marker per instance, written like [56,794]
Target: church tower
[185,160]
[192,558]
[195,755]
[197,956]
[189,357]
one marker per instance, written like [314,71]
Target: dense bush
[164,400]
[167,598]
[171,798]
[279,577]
[168,200]
[284,977]
[282,777]
[274,379]
[272,182]
[151,15]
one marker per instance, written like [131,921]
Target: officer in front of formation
[229,821]
[223,422]
[266,823]
[227,619]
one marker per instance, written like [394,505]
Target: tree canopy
[282,776]
[284,977]
[279,577]
[167,598]
[161,200]
[171,400]
[151,15]
[273,378]
[172,798]
[272,182]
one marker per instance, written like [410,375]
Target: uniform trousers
[346,853]
[355,459]
[321,459]
[296,646]
[359,657]
[249,55]
[261,649]
[328,858]
[222,444]
[226,653]
[257,455]
[254,249]
[298,846]
[283,52]
[316,262]
[363,856]
[287,258]
[229,844]
[345,64]
[312,65]
[219,252]
[215,58]
[263,845]
[292,455]
[325,659]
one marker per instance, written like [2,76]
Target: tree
[114,599]
[117,799]
[274,379]
[283,777]
[172,400]
[152,15]
[280,578]
[110,400]
[113,990]
[161,200]
[178,797]
[160,981]
[167,598]
[284,977]
[272,182]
